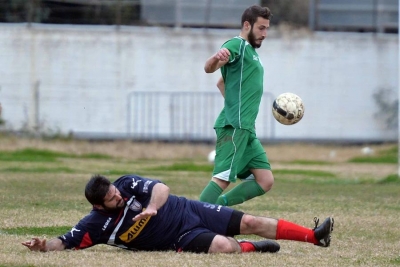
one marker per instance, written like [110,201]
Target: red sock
[247,247]
[291,231]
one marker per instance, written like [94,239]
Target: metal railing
[354,15]
[185,116]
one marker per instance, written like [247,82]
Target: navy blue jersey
[177,222]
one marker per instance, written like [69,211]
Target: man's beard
[252,39]
[116,207]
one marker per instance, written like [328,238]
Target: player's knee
[223,244]
[264,178]
[269,183]
[266,183]
[248,224]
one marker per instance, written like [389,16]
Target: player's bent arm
[217,60]
[36,244]
[159,196]
[213,64]
[221,86]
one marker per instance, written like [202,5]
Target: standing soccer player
[239,154]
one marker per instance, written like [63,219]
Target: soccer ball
[288,108]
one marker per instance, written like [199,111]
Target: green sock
[240,193]
[211,193]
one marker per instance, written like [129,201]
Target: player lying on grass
[138,213]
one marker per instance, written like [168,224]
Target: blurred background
[130,69]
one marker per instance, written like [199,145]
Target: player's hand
[146,213]
[35,244]
[222,55]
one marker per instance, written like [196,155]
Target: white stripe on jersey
[111,240]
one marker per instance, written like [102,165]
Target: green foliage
[66,12]
[294,12]
[23,11]
[128,13]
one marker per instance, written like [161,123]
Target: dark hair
[96,189]
[252,13]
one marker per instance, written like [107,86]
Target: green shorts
[238,151]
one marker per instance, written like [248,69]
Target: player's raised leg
[282,229]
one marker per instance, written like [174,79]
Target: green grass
[310,162]
[395,260]
[390,179]
[45,197]
[387,156]
[309,173]
[39,170]
[36,231]
[37,155]
[190,167]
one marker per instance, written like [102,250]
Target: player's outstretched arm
[36,244]
[217,60]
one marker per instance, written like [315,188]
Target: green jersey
[243,77]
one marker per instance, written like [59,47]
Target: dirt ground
[280,155]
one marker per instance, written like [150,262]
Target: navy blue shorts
[203,218]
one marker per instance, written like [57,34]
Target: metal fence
[200,13]
[185,116]
[178,13]
[354,15]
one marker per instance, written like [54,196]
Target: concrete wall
[77,79]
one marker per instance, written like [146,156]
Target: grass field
[42,185]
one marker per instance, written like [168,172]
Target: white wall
[84,74]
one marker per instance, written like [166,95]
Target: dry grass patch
[366,225]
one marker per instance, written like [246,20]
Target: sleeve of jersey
[78,237]
[139,186]
[233,45]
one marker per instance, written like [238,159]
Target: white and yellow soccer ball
[288,108]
